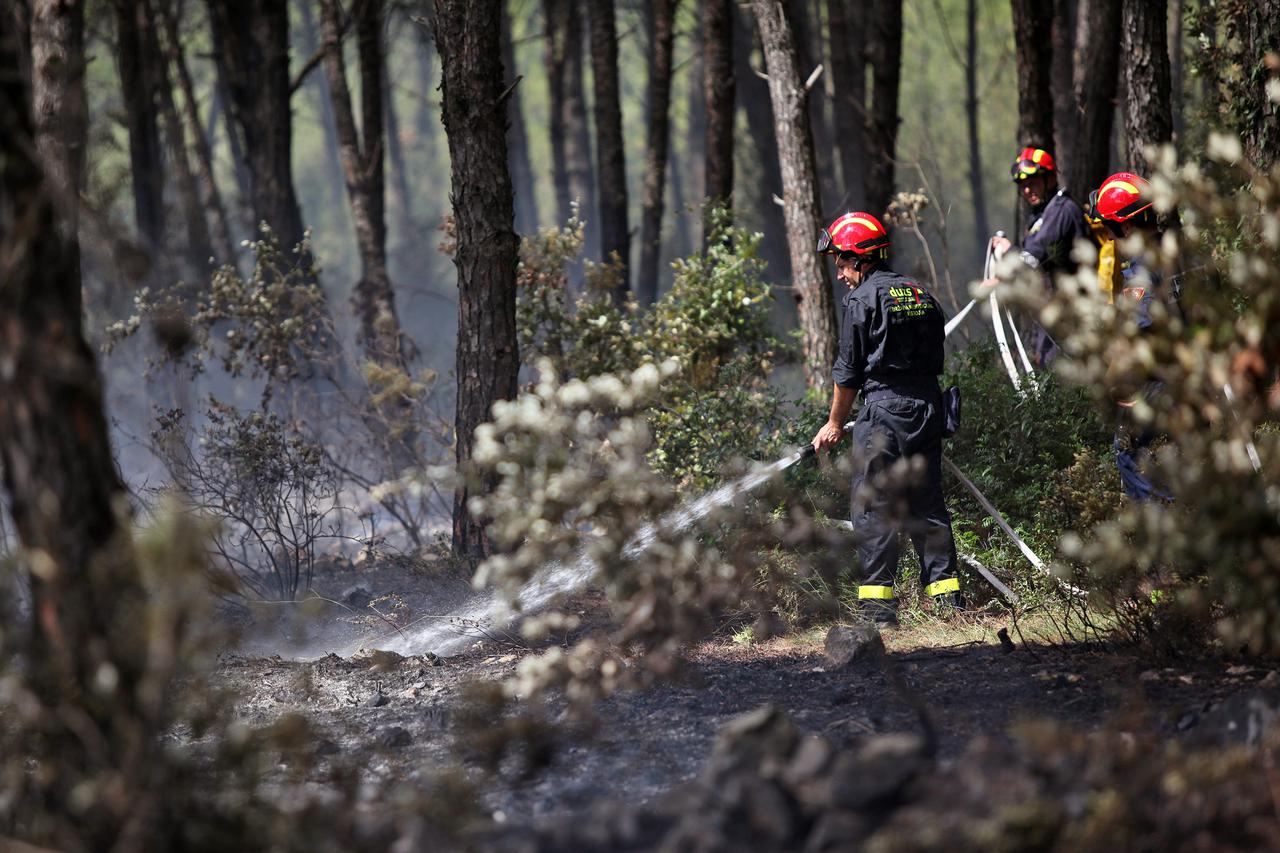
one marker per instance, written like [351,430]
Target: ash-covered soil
[398,716]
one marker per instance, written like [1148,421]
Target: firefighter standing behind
[1057,222]
[891,350]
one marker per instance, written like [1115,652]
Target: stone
[377,659]
[846,643]
[394,737]
[377,700]
[878,771]
[748,741]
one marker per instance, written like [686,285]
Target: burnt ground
[398,717]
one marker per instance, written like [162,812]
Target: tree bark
[1148,116]
[138,66]
[467,38]
[254,42]
[220,231]
[378,325]
[759,113]
[849,77]
[719,94]
[981,228]
[1177,82]
[801,205]
[65,496]
[656,144]
[1033,44]
[886,63]
[805,19]
[1063,75]
[60,107]
[518,139]
[1097,67]
[1261,37]
[694,152]
[395,150]
[615,235]
[568,106]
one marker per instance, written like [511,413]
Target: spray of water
[450,634]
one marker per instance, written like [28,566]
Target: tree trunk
[199,246]
[335,176]
[138,65]
[1148,116]
[799,192]
[220,232]
[254,41]
[235,145]
[755,103]
[518,139]
[849,78]
[64,494]
[804,16]
[1062,75]
[886,64]
[1262,37]
[378,326]
[615,236]
[1177,82]
[568,106]
[1033,43]
[553,14]
[60,107]
[981,228]
[695,130]
[467,38]
[1097,66]
[718,94]
[656,144]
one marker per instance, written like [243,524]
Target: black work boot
[948,603]
[883,612]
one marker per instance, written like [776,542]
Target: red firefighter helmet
[1123,196]
[857,232]
[1032,161]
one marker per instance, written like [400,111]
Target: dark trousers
[897,488]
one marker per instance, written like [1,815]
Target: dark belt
[915,392]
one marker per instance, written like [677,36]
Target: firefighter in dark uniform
[1124,205]
[1057,221]
[891,350]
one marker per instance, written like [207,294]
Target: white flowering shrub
[1213,552]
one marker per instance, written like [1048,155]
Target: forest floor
[397,717]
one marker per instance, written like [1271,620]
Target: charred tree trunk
[378,325]
[1097,67]
[60,108]
[719,95]
[1148,116]
[801,205]
[980,226]
[615,236]
[1033,44]
[615,233]
[467,36]
[220,229]
[656,144]
[886,64]
[518,139]
[849,76]
[1062,75]
[58,473]
[254,40]
[138,65]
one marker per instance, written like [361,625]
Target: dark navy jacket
[890,337]
[1053,233]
